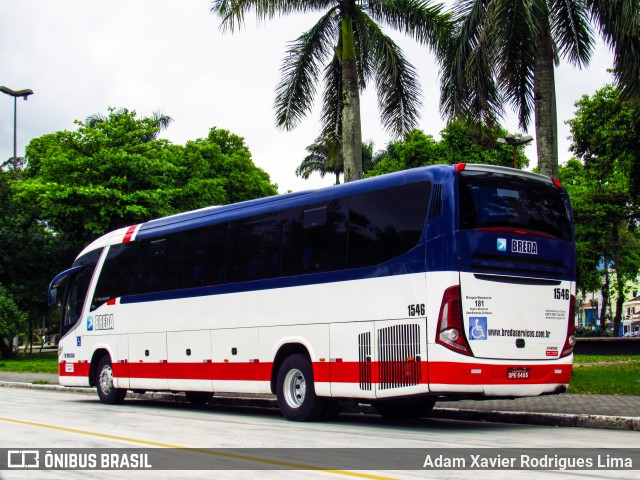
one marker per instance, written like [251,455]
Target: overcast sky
[80,57]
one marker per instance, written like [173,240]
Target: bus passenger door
[148,361]
[189,355]
[352,362]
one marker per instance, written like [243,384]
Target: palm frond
[399,93]
[571,29]
[517,33]
[232,12]
[468,88]
[423,21]
[300,71]
[331,116]
[619,25]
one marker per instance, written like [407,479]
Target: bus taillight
[450,325]
[571,329]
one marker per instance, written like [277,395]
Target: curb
[443,413]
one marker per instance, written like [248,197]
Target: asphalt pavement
[619,412]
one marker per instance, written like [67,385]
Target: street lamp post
[15,94]
[515,142]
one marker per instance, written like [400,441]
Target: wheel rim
[295,388]
[106,379]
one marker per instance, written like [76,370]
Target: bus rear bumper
[519,380]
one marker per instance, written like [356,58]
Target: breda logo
[524,246]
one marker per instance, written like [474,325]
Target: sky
[82,56]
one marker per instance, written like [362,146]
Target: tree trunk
[6,351]
[351,124]
[605,297]
[545,105]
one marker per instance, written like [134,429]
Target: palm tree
[325,156]
[506,51]
[350,45]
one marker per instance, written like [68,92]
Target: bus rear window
[499,201]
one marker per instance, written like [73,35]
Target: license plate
[517,373]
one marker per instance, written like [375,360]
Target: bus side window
[157,266]
[384,224]
[117,274]
[202,256]
[255,246]
[315,239]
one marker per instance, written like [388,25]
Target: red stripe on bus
[78,369]
[444,373]
[130,231]
[451,373]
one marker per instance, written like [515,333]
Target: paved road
[31,418]
[596,411]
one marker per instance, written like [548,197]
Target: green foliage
[582,332]
[115,172]
[461,142]
[503,51]
[604,136]
[12,321]
[111,172]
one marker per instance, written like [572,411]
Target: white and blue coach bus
[437,282]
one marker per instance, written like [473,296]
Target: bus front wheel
[295,391]
[104,381]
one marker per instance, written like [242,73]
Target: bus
[440,282]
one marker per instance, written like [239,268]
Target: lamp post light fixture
[15,94]
[515,142]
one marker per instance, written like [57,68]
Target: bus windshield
[491,200]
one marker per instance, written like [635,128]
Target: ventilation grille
[364,360]
[398,356]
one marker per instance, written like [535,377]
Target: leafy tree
[604,136]
[162,122]
[113,174]
[349,41]
[460,142]
[28,255]
[506,51]
[12,322]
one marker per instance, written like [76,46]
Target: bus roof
[214,214]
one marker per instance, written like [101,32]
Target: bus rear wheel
[404,407]
[104,382]
[295,391]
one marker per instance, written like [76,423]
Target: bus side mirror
[53,297]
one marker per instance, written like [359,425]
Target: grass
[46,362]
[592,374]
[606,375]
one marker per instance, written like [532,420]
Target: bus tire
[404,407]
[198,398]
[295,391]
[104,382]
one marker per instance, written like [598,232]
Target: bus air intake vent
[436,202]
[398,356]
[364,360]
